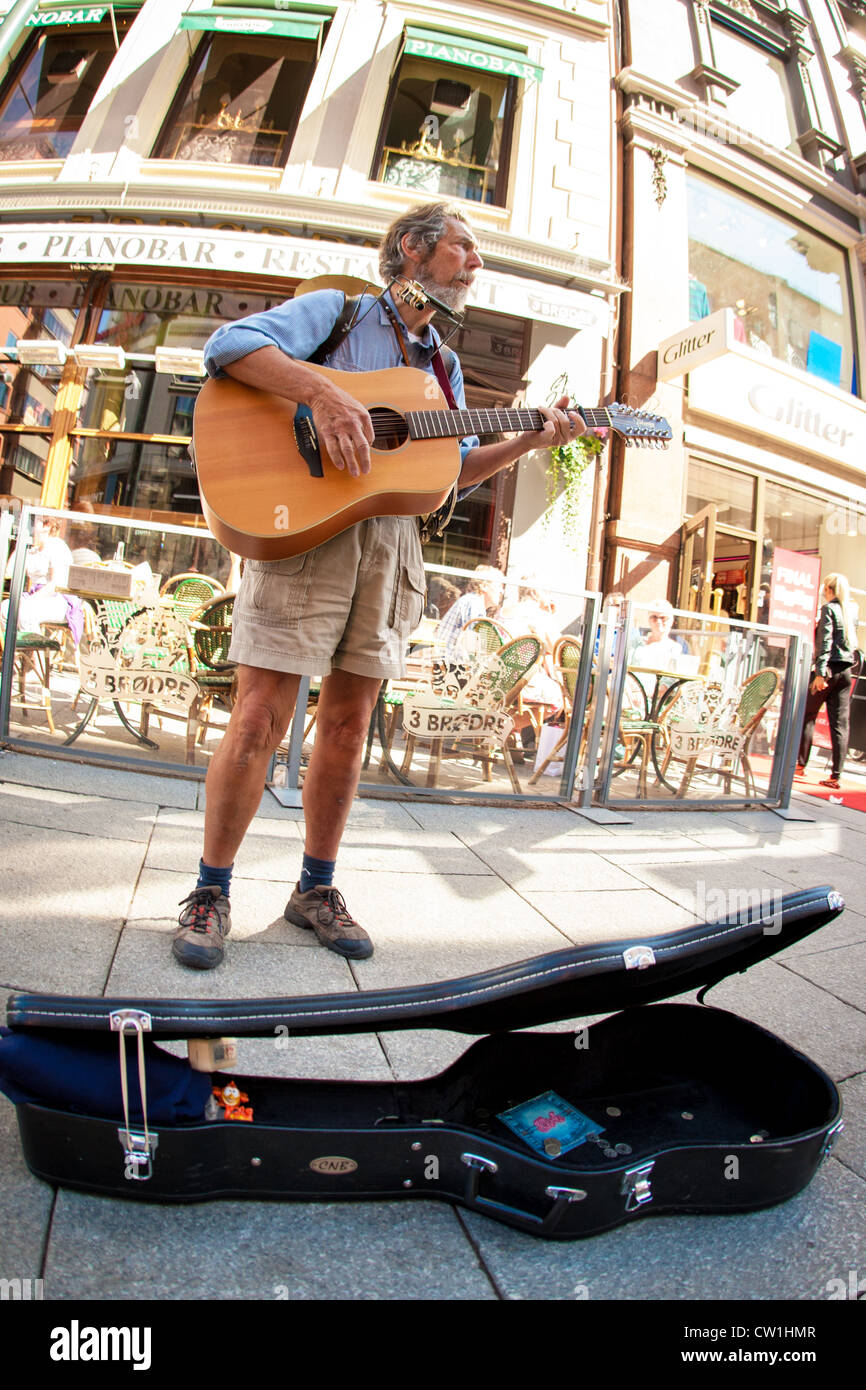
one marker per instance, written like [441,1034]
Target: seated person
[47,571]
[658,649]
[441,595]
[483,595]
[533,613]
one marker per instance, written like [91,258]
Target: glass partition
[493,703]
[699,709]
[115,635]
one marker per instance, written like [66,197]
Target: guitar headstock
[637,426]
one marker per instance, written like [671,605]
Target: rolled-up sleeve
[297,328]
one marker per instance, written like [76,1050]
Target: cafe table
[665,686]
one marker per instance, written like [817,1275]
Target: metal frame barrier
[613,658]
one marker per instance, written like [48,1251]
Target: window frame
[197,61]
[503,175]
[789,41]
[31,42]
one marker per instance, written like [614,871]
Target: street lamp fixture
[182,361]
[33,352]
[100,355]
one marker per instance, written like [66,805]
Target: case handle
[540,1225]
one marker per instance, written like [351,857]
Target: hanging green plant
[568,464]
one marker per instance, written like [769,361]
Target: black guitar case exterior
[659,1108]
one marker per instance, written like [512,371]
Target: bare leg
[236,776]
[346,705]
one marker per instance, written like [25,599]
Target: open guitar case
[659,1108]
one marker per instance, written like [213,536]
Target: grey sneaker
[204,924]
[323,911]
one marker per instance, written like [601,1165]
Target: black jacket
[832,650]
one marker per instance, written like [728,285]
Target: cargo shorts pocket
[277,590]
[408,601]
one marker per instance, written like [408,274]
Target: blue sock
[316,873]
[207,874]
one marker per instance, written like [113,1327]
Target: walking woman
[832,674]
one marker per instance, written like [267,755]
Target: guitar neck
[442,424]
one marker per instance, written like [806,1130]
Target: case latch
[638,957]
[636,1186]
[138,1150]
[830,1141]
[138,1146]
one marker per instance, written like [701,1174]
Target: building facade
[170,166]
[743,128]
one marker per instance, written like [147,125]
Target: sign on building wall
[700,342]
[296,258]
[776,401]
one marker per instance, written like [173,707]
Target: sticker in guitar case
[549,1125]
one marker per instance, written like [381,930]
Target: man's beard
[453,296]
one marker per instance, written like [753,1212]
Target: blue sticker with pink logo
[547,1117]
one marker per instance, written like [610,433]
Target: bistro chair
[190,592]
[210,667]
[494,688]
[566,660]
[481,636]
[34,652]
[728,735]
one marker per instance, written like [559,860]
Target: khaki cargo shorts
[350,604]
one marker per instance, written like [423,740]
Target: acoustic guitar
[269,491]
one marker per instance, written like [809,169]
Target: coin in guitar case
[623,1148]
[552,1147]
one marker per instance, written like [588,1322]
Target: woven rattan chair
[481,636]
[566,660]
[756,696]
[34,652]
[495,687]
[211,669]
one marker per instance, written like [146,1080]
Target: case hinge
[132,1020]
[636,1187]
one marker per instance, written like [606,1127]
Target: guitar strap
[434,523]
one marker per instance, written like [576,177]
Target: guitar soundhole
[390,428]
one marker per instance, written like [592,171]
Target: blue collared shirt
[300,325]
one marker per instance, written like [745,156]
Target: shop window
[241,101]
[138,400]
[732,492]
[787,285]
[51,87]
[35,311]
[448,124]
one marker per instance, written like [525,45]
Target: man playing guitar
[344,609]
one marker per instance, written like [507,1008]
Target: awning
[47,16]
[286,24]
[470,53]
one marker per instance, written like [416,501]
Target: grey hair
[425,225]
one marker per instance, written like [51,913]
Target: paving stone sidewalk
[94,864]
